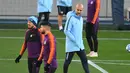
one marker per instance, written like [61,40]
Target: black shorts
[46,16]
[63,10]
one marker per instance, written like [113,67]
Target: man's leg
[46,16]
[84,60]
[68,59]
[95,40]
[88,31]
[67,9]
[52,70]
[40,16]
[61,11]
[94,36]
[30,65]
[38,66]
[35,65]
[60,17]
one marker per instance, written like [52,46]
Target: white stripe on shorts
[67,55]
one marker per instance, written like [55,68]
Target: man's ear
[49,27]
[35,27]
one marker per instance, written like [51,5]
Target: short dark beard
[43,32]
[78,14]
[30,28]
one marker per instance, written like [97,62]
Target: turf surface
[112,54]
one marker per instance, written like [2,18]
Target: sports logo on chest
[45,42]
[91,2]
[32,35]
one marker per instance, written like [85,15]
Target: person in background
[44,7]
[92,26]
[64,6]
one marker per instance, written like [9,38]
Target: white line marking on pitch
[11,37]
[64,38]
[94,65]
[89,61]
[76,60]
[83,31]
[97,67]
[20,30]
[110,63]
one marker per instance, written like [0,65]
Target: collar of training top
[76,16]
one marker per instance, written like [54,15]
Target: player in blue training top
[44,7]
[92,26]
[64,6]
[74,42]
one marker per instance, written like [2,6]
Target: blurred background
[113,57]
[17,11]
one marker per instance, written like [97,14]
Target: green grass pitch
[112,54]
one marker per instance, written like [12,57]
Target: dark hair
[45,23]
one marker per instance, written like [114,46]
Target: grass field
[112,54]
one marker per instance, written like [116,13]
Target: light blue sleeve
[44,5]
[68,28]
[63,2]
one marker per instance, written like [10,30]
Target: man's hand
[39,63]
[17,59]
[89,25]
[46,68]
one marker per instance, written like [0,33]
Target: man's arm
[24,46]
[67,30]
[41,54]
[52,48]
[97,11]
[42,48]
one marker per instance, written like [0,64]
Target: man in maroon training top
[92,26]
[33,44]
[48,51]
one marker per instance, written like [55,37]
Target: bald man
[74,43]
[92,26]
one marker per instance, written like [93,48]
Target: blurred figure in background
[64,6]
[44,7]
[92,26]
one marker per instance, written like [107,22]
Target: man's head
[79,8]
[45,27]
[32,22]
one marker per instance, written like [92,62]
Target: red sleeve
[24,46]
[97,11]
[52,47]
